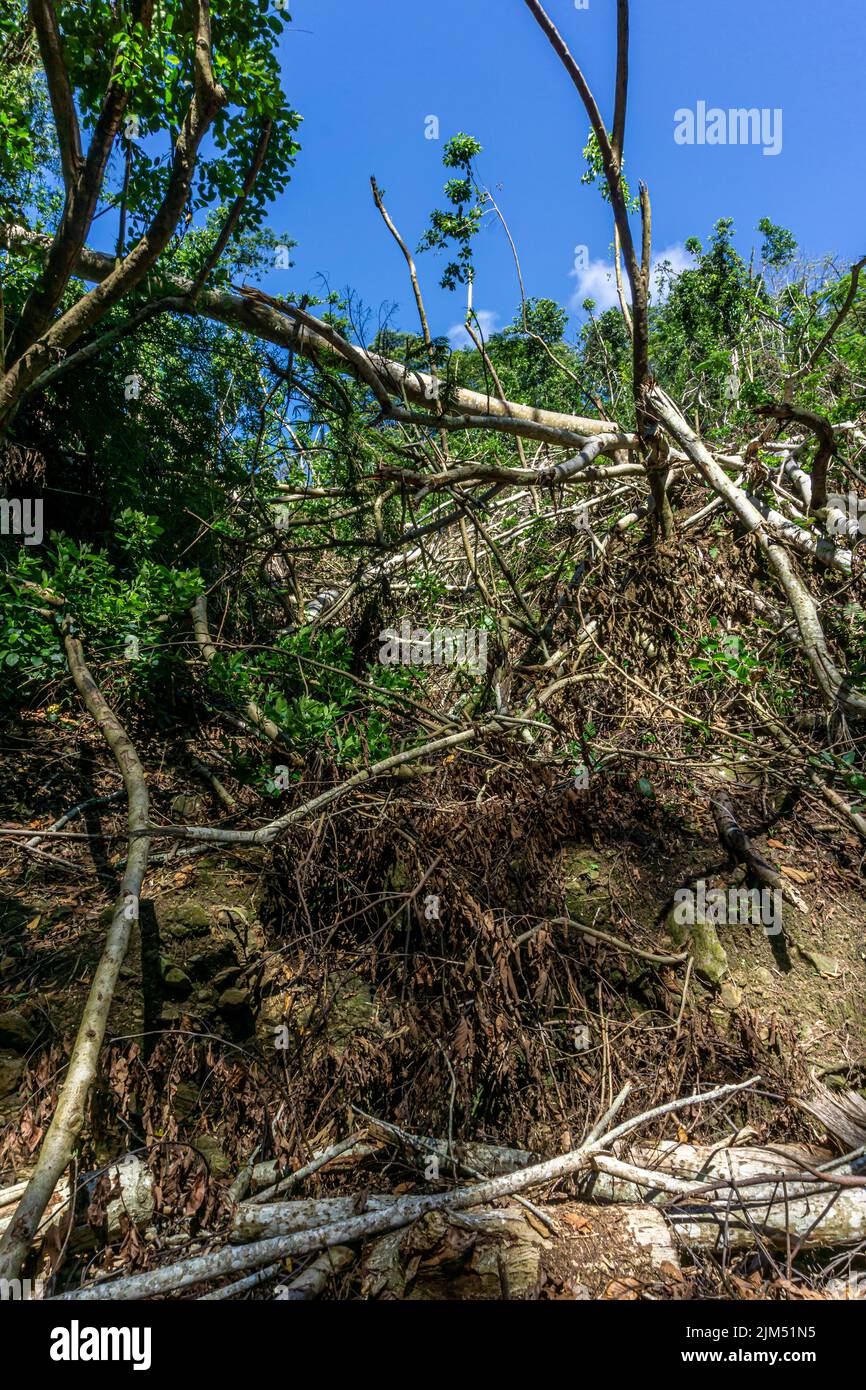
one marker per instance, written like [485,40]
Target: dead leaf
[796,874]
[623,1290]
[579,1223]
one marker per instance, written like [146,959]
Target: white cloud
[459,338]
[597,280]
[680,259]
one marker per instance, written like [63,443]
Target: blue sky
[366,73]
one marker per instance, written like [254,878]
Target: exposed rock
[233,1000]
[188,808]
[16,1031]
[825,965]
[225,978]
[210,1149]
[208,964]
[182,918]
[701,940]
[232,917]
[11,1071]
[762,979]
[177,981]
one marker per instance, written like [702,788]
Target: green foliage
[724,657]
[780,245]
[302,683]
[122,613]
[594,175]
[27,150]
[459,223]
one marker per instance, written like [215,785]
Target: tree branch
[44,19]
[285,326]
[622,35]
[207,100]
[68,1120]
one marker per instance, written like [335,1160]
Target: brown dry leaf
[579,1223]
[462,1037]
[682,1134]
[623,1290]
[536,1223]
[799,1291]
[776,844]
[796,874]
[671,1271]
[197,1193]
[747,1287]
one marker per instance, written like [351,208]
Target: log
[184,1273]
[766,1193]
[263,1220]
[135,1198]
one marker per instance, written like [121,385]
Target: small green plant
[724,657]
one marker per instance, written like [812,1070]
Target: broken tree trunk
[184,1273]
[742,851]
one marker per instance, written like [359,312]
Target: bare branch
[830,333]
[236,208]
[622,27]
[68,1120]
[288,326]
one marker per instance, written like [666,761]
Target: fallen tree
[287,326]
[353,1228]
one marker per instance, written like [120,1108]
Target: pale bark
[68,1120]
[836,688]
[284,328]
[762,1193]
[345,1232]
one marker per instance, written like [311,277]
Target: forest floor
[265,996]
